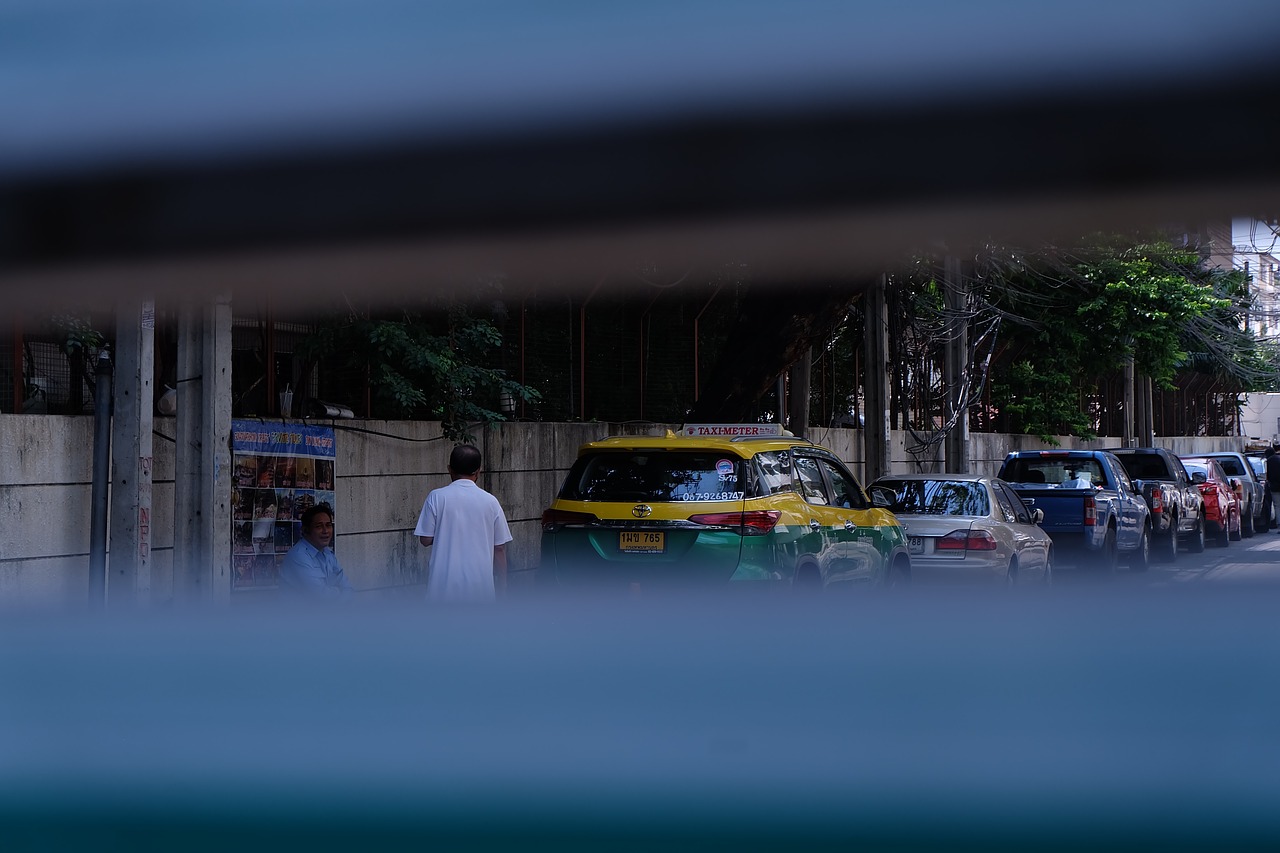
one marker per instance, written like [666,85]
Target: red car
[1222,503]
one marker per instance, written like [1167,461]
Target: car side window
[809,480]
[1010,502]
[845,489]
[1006,508]
[774,472]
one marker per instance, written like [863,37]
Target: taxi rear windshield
[656,476]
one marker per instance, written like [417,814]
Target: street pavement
[1255,561]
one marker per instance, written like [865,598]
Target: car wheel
[1224,535]
[1048,568]
[1246,522]
[1110,555]
[1141,559]
[807,580]
[1011,574]
[1237,534]
[1169,545]
[1195,543]
[897,575]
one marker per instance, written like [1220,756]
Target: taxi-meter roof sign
[731,430]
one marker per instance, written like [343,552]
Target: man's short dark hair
[464,460]
[309,515]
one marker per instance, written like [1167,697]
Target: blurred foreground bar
[1086,719]
[165,148]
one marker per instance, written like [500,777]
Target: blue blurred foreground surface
[1083,718]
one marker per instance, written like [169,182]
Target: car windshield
[1069,472]
[1196,468]
[937,497]
[1144,466]
[1231,466]
[656,476]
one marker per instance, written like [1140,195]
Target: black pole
[101,480]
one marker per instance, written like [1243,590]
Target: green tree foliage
[434,361]
[1072,316]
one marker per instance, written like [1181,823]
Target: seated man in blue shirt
[310,569]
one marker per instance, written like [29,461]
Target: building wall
[1260,417]
[383,471]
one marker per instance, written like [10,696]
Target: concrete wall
[384,470]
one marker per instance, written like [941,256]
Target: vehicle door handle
[813,524]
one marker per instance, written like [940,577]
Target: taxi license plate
[915,544]
[642,542]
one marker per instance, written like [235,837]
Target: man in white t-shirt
[467,532]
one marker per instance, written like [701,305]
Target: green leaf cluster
[425,361]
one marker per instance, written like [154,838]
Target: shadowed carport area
[186,148]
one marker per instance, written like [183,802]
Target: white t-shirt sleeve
[426,518]
[501,532]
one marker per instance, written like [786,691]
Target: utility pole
[1126,428]
[202,477]
[876,426]
[956,357]
[131,453]
[801,373]
[101,491]
[1148,412]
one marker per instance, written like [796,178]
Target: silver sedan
[963,528]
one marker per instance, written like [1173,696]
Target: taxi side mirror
[1037,516]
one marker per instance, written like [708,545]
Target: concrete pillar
[956,357]
[129,575]
[202,488]
[876,381]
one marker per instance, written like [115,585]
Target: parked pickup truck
[1177,508]
[1090,505]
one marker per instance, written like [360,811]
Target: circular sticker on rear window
[725,467]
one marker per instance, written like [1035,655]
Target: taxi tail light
[966,540]
[1090,511]
[553,518]
[754,523]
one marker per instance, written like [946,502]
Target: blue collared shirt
[310,572]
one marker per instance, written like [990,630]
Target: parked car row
[1091,507]
[720,504]
[752,505]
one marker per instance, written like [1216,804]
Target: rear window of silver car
[938,497]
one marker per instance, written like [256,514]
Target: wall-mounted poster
[280,470]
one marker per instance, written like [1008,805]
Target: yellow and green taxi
[716,503]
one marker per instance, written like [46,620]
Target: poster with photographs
[279,471]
